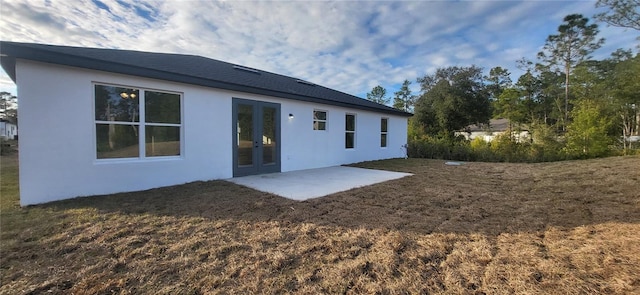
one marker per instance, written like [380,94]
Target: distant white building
[8,130]
[489,132]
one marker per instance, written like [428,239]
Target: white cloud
[350,46]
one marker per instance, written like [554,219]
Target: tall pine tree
[576,39]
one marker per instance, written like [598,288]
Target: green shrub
[439,148]
[501,149]
[587,134]
[481,150]
[7,147]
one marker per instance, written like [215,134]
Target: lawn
[480,228]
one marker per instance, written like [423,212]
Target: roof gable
[189,69]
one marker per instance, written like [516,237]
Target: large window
[383,132]
[319,120]
[350,131]
[136,123]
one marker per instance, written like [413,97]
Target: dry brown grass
[481,228]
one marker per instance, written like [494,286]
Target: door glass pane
[245,135]
[269,135]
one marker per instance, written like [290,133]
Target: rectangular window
[319,120]
[130,118]
[383,132]
[350,131]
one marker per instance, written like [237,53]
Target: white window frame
[385,133]
[355,127]
[141,124]
[326,116]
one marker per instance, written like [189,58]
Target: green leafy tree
[589,80]
[540,108]
[529,86]
[403,99]
[613,83]
[499,79]
[545,146]
[544,92]
[621,13]
[587,134]
[378,95]
[510,105]
[452,99]
[576,39]
[626,96]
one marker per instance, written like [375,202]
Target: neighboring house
[8,130]
[489,133]
[101,121]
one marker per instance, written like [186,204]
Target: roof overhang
[11,51]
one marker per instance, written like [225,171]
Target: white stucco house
[8,130]
[495,128]
[99,121]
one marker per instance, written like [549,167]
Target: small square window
[319,120]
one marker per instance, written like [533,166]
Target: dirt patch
[478,228]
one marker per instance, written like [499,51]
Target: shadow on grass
[484,198]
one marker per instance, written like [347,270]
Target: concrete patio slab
[312,183]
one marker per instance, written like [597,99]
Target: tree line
[573,105]
[8,107]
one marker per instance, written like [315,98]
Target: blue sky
[350,46]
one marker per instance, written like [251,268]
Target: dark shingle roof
[189,69]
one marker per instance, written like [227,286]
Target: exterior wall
[8,130]
[305,148]
[57,136]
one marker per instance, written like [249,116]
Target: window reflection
[161,107]
[117,104]
[245,135]
[350,131]
[383,132]
[118,122]
[162,141]
[269,135]
[116,141]
[319,120]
